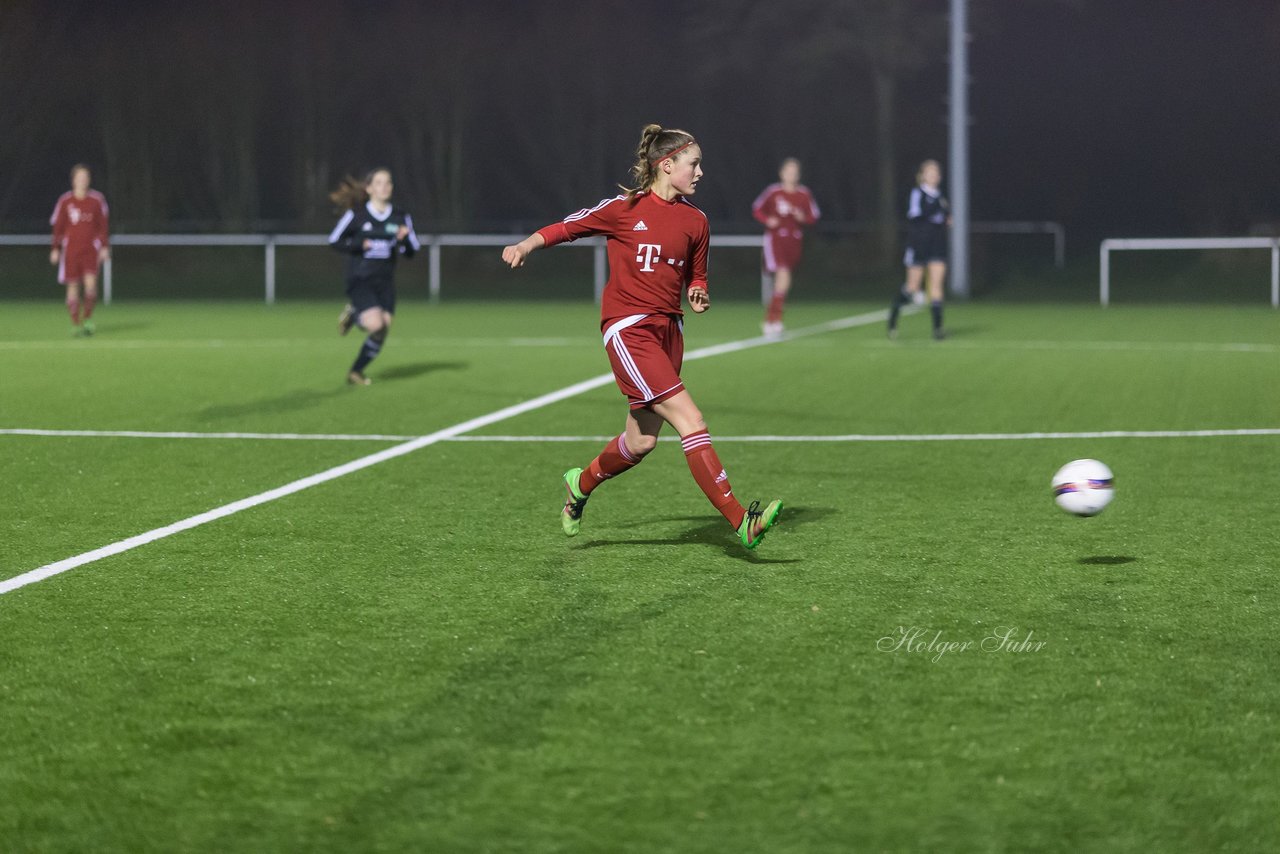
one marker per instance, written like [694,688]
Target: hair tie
[674,152]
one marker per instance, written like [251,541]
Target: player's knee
[641,445]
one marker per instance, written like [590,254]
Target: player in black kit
[373,233]
[928,218]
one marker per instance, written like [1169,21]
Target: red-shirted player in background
[80,244]
[784,209]
[657,249]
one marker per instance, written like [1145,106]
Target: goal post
[1166,243]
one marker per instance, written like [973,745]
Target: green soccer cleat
[89,328]
[757,522]
[571,515]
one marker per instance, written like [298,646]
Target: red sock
[710,475]
[774,315]
[73,308]
[90,300]
[613,461]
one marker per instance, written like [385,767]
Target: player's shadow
[713,532]
[417,369]
[114,328]
[1106,560]
[291,402]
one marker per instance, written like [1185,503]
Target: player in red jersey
[80,244]
[657,248]
[784,208]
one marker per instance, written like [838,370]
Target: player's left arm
[699,297]
[815,213]
[407,238]
[104,232]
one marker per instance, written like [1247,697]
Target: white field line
[99,343]
[1131,346]
[912,437]
[176,434]
[400,450]
[952,344]
[842,437]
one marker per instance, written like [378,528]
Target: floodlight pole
[958,168]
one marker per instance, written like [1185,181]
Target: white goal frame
[1115,244]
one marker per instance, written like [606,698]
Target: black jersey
[926,208]
[927,213]
[378,261]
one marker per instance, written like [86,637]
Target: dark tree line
[230,115]
[496,115]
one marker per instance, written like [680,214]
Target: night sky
[1115,118]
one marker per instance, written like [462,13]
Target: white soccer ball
[1083,487]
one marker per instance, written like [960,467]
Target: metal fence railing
[434,243]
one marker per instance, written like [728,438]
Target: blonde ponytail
[656,144]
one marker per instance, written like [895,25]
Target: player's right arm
[344,237]
[59,223]
[915,204]
[602,219]
[762,208]
[513,256]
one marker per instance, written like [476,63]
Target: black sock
[903,298]
[935,308]
[368,351]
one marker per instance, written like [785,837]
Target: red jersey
[80,223]
[774,201]
[657,251]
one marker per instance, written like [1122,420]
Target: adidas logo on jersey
[640,226]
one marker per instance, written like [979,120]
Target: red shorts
[781,252]
[646,351]
[76,262]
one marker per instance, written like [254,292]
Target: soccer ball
[1083,487]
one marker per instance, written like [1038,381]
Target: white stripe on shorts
[629,365]
[622,324]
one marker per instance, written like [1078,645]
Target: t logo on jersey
[74,213]
[649,252]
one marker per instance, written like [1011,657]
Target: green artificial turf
[412,657]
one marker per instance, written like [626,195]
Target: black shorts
[925,246]
[364,294]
